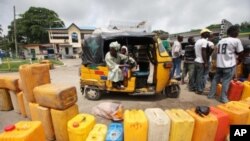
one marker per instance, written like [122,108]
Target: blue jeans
[205,76]
[177,67]
[225,75]
[197,78]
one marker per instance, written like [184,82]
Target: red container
[223,124]
[235,90]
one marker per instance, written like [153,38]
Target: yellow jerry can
[135,126]
[21,103]
[201,130]
[26,106]
[182,125]
[9,82]
[24,131]
[33,75]
[34,111]
[13,97]
[60,119]
[98,133]
[80,126]
[246,90]
[5,101]
[45,117]
[237,115]
[55,96]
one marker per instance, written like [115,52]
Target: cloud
[172,16]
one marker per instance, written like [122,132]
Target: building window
[74,37]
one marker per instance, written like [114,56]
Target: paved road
[69,74]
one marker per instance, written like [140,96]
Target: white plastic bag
[109,110]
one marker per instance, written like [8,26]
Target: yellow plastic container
[236,114]
[242,106]
[60,119]
[31,76]
[80,126]
[9,82]
[24,131]
[205,127]
[135,126]
[34,111]
[55,96]
[26,106]
[21,103]
[246,90]
[98,133]
[182,125]
[5,101]
[13,97]
[45,117]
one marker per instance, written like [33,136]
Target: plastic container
[182,125]
[45,117]
[55,96]
[80,126]
[242,106]
[218,90]
[27,107]
[13,97]
[24,131]
[158,124]
[223,124]
[235,90]
[21,103]
[236,115]
[34,111]
[205,127]
[246,90]
[135,125]
[60,119]
[98,133]
[5,101]
[31,76]
[9,82]
[115,132]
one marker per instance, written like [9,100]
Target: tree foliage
[33,24]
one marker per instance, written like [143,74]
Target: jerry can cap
[75,124]
[9,128]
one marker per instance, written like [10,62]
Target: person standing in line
[189,56]
[227,49]
[200,62]
[176,55]
[210,49]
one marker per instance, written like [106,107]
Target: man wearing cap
[227,49]
[201,62]
[113,59]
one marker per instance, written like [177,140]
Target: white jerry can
[158,124]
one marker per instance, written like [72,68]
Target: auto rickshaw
[144,48]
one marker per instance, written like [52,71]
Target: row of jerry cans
[237,90]
[153,124]
[83,127]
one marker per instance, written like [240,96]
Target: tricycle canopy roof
[97,45]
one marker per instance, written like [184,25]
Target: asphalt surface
[69,74]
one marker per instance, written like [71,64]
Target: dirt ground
[69,74]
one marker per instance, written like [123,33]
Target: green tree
[33,24]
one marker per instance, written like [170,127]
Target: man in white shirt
[201,62]
[227,49]
[176,55]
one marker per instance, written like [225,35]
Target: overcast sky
[170,15]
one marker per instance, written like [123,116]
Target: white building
[68,41]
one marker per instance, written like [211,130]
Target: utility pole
[15,32]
